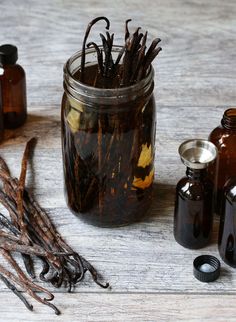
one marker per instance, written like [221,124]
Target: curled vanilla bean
[16,292]
[35,235]
[93,22]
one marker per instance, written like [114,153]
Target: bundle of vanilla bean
[131,65]
[30,232]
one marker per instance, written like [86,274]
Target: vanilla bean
[21,188]
[23,277]
[28,262]
[35,235]
[149,60]
[99,56]
[135,63]
[41,214]
[94,273]
[107,47]
[127,34]
[16,292]
[153,45]
[94,21]
[121,53]
[35,250]
[25,286]
[29,265]
[140,58]
[5,222]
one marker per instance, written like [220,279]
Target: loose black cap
[8,55]
[206,268]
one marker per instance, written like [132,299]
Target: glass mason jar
[108,138]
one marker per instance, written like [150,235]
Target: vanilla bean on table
[31,233]
[16,292]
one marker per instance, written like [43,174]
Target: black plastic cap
[206,268]
[8,55]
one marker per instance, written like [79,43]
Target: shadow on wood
[163,201]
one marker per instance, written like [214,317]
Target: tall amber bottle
[224,137]
[1,114]
[13,85]
[227,231]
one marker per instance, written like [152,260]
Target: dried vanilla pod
[30,232]
[130,66]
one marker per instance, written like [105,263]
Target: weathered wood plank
[195,68]
[125,307]
[194,74]
[142,257]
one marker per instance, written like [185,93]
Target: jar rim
[96,91]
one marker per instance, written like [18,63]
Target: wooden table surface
[151,275]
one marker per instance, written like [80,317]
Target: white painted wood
[150,274]
[85,307]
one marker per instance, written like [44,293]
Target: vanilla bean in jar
[108,150]
[108,137]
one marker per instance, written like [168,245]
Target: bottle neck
[196,174]
[229,119]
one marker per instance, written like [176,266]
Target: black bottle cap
[8,55]
[206,268]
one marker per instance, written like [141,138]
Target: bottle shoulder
[194,189]
[15,71]
[223,137]
[216,133]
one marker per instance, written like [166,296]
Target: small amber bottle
[1,114]
[224,137]
[13,85]
[193,216]
[227,231]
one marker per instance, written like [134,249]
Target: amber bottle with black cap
[13,85]
[224,137]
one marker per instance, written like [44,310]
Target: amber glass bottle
[224,137]
[1,114]
[13,84]
[194,209]
[227,232]
[193,216]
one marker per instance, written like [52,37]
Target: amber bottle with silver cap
[193,215]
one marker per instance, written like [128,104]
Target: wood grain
[150,274]
[129,307]
[195,68]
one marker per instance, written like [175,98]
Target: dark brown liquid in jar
[108,154]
